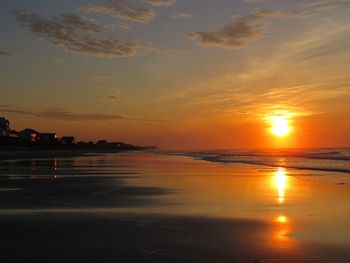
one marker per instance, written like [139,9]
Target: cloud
[114,96]
[70,116]
[329,40]
[237,33]
[314,8]
[8,54]
[181,16]
[9,110]
[244,29]
[162,2]
[251,1]
[77,34]
[64,115]
[122,9]
[102,78]
[108,97]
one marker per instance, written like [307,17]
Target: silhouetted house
[115,145]
[48,137]
[68,140]
[101,144]
[82,144]
[4,127]
[28,135]
[14,134]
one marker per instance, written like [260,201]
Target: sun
[280,126]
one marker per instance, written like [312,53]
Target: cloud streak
[245,29]
[181,16]
[77,34]
[121,9]
[64,115]
[162,2]
[238,33]
[8,54]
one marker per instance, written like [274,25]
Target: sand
[135,207]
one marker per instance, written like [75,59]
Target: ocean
[333,164]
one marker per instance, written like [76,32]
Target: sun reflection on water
[282,228]
[281,181]
[282,219]
[282,224]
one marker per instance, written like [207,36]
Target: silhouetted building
[28,135]
[14,134]
[68,140]
[4,127]
[115,145]
[48,137]
[101,144]
[82,144]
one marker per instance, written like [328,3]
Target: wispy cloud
[64,115]
[315,7]
[78,34]
[8,54]
[245,29]
[252,1]
[237,33]
[162,2]
[109,97]
[102,78]
[181,16]
[121,9]
[114,96]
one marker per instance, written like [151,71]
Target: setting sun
[280,126]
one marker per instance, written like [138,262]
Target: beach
[147,207]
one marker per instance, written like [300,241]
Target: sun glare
[280,180]
[280,126]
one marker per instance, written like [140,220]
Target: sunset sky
[182,74]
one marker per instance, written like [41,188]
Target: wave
[335,160]
[342,154]
[310,168]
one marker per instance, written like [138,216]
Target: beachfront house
[14,134]
[115,145]
[48,137]
[28,135]
[68,140]
[4,127]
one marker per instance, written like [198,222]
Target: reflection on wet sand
[175,210]
[282,229]
[281,183]
[64,167]
[73,183]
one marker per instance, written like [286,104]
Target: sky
[179,74]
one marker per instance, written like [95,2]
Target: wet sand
[89,237]
[30,154]
[155,208]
